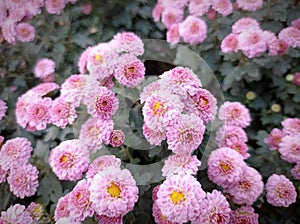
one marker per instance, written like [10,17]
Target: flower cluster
[15,168]
[44,69]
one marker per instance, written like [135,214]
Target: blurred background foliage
[263,84]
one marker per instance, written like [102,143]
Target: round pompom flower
[127,42]
[43,89]
[184,136]
[248,188]
[36,211]
[23,180]
[224,7]
[156,11]
[247,5]
[171,16]
[154,137]
[229,135]
[245,24]
[289,148]
[16,214]
[25,32]
[199,8]
[225,166]
[274,138]
[234,113]
[295,171]
[296,23]
[280,191]
[230,43]
[215,209]
[173,36]
[15,152]
[291,126]
[69,160]
[296,79]
[291,35]
[113,192]
[3,109]
[244,214]
[43,68]
[158,216]
[193,30]
[116,138]
[179,198]
[130,71]
[62,208]
[54,6]
[82,61]
[180,164]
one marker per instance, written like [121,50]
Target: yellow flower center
[99,58]
[131,69]
[64,159]
[177,197]
[114,190]
[225,166]
[158,108]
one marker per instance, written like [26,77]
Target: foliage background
[63,38]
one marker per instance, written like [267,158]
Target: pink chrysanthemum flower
[103,219]
[130,71]
[44,67]
[244,214]
[283,46]
[240,147]
[230,43]
[248,188]
[224,7]
[173,36]
[274,138]
[62,113]
[291,35]
[179,198]
[158,216]
[25,32]
[280,191]
[295,171]
[180,164]
[199,7]
[204,105]
[54,6]
[82,61]
[174,3]
[211,14]
[225,166]
[272,42]
[156,12]
[62,208]
[94,132]
[15,214]
[102,163]
[235,114]
[116,138]
[69,160]
[3,175]
[102,103]
[154,192]
[33,7]
[3,109]
[127,42]
[245,24]
[171,16]
[291,126]
[43,89]
[14,4]
[36,211]
[185,136]
[113,192]
[296,23]
[23,180]
[154,137]
[227,135]
[107,82]
[215,209]
[193,30]
[296,79]
[247,5]
[15,152]
[8,31]
[150,89]
[289,148]
[79,201]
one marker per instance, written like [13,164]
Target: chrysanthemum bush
[65,156]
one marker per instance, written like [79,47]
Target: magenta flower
[280,191]
[245,24]
[36,211]
[156,12]
[44,67]
[16,214]
[229,135]
[291,35]
[224,7]
[179,198]
[199,8]
[127,42]
[154,192]
[116,138]
[54,6]
[173,36]
[113,192]
[291,126]
[225,166]
[274,138]
[69,160]
[154,137]
[23,180]
[25,32]
[240,147]
[295,171]
[193,30]
[158,216]
[289,148]
[15,152]
[62,208]
[3,108]
[171,16]
[244,214]
[296,23]
[249,5]
[296,79]
[230,43]
[103,219]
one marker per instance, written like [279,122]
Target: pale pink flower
[23,180]
[9,32]
[33,7]
[234,114]
[199,7]
[244,214]
[103,219]
[291,35]
[230,43]
[295,171]
[179,198]
[296,23]
[15,214]
[227,135]
[127,42]
[224,7]
[174,3]
[211,14]
[87,8]
[291,126]
[107,82]
[62,208]
[193,30]
[43,89]
[13,4]
[62,113]
[245,24]
[3,12]
[25,32]
[3,108]
[283,47]
[79,201]
[3,175]
[94,132]
[36,211]
[54,6]
[150,89]
[171,16]
[248,188]
[158,216]
[153,136]
[102,163]
[280,191]
[215,209]
[116,138]
[274,138]
[44,67]
[296,79]
[69,160]
[272,42]
[185,136]
[240,147]
[173,36]
[82,61]
[113,192]
[156,12]
[180,164]
[225,166]
[15,152]
[130,71]
[249,5]
[289,148]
